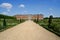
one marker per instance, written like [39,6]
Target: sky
[45,7]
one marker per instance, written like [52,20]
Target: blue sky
[45,7]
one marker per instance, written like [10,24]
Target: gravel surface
[27,31]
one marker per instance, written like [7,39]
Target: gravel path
[28,31]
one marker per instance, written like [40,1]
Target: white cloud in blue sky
[7,6]
[21,5]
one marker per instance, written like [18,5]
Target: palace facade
[29,16]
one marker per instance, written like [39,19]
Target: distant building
[29,16]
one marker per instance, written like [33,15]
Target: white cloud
[8,6]
[22,5]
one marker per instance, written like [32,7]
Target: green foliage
[54,24]
[50,21]
[4,23]
[6,17]
[21,20]
[35,20]
[7,22]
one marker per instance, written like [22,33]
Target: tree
[37,18]
[4,22]
[20,20]
[50,21]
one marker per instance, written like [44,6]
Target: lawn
[55,26]
[8,22]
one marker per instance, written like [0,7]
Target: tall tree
[50,21]
[4,22]
[37,17]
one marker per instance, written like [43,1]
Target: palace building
[29,16]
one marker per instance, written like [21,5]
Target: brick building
[29,16]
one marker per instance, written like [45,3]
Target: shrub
[50,21]
[4,23]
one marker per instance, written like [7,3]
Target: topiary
[50,21]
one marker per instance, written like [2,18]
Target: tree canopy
[6,17]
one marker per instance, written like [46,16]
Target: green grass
[10,23]
[55,26]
